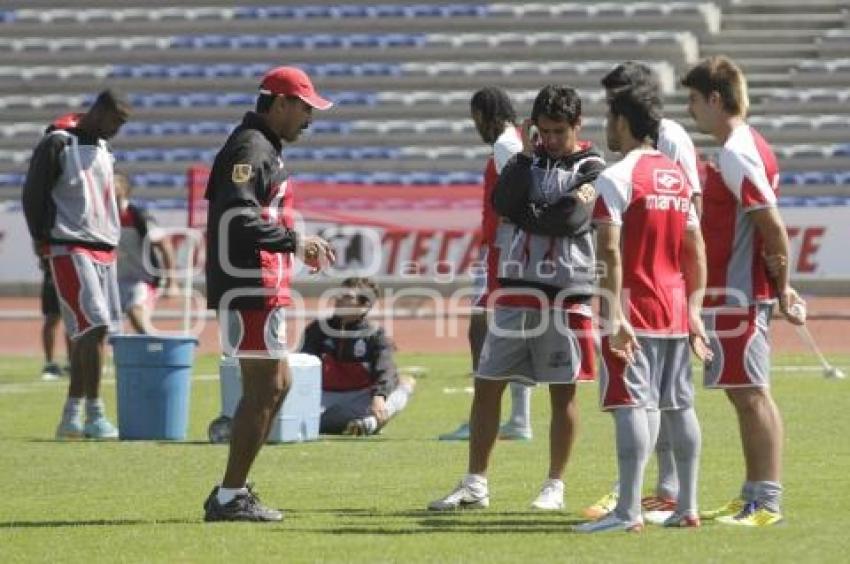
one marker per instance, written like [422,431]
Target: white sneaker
[657,517]
[551,496]
[467,495]
[610,523]
[510,431]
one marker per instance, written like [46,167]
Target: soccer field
[362,500]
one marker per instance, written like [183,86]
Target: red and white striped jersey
[649,197]
[744,179]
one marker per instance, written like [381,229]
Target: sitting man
[361,390]
[139,283]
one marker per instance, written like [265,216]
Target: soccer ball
[219,430]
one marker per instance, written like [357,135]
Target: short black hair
[112,101]
[641,106]
[559,103]
[494,104]
[629,74]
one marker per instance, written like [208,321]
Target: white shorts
[137,293]
[251,333]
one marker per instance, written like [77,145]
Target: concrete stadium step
[366,25]
[783,52]
[791,20]
[762,36]
[672,52]
[784,6]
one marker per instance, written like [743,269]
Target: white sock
[475,479]
[226,495]
[73,409]
[520,405]
[94,408]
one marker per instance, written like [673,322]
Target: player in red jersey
[744,234]
[652,255]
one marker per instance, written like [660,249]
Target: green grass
[362,500]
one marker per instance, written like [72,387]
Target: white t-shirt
[507,145]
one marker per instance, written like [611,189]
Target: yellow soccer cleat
[730,509]
[602,507]
[753,515]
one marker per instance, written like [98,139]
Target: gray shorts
[531,346]
[88,293]
[739,341]
[660,378]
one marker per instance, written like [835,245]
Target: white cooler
[298,418]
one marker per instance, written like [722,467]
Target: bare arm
[623,341]
[771,228]
[694,271]
[168,263]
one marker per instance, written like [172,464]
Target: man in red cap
[250,243]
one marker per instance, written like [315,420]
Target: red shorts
[252,333]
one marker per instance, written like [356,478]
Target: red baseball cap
[292,81]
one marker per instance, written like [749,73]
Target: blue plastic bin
[153,376]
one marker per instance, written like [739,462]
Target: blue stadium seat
[186,71]
[384,178]
[133,128]
[305,12]
[158,180]
[11,179]
[235,99]
[7,16]
[210,128]
[324,41]
[334,69]
[186,154]
[423,11]
[195,99]
[389,11]
[423,178]
[168,128]
[286,12]
[299,153]
[223,70]
[352,11]
[402,40]
[353,98]
[841,150]
[183,42]
[345,178]
[379,69]
[463,178]
[251,41]
[464,10]
[368,40]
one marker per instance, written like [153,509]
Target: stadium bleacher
[401,76]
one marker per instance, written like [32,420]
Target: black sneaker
[243,507]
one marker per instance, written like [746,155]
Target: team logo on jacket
[241,173]
[359,348]
[668,181]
